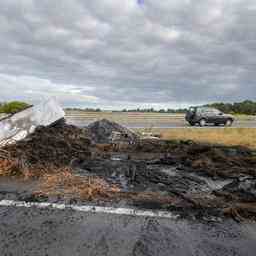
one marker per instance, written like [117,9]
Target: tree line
[152,110]
[246,107]
[84,109]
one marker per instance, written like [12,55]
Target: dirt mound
[53,146]
[105,131]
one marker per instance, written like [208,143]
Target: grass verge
[230,137]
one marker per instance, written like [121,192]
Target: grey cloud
[163,53]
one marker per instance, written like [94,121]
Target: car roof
[204,108]
[207,108]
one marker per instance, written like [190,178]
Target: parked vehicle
[206,115]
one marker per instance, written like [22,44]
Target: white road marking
[91,209]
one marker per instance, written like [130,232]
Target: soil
[49,148]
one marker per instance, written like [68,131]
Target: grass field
[126,118]
[237,136]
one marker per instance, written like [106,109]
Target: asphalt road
[53,232]
[173,123]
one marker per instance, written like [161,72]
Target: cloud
[114,54]
[33,89]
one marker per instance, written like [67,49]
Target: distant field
[237,136]
[123,117]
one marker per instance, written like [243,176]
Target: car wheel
[192,124]
[229,122]
[202,122]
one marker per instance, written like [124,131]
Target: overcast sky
[128,53]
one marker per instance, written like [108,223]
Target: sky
[117,54]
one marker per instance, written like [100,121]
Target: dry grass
[230,137]
[18,168]
[59,182]
[241,211]
[65,184]
[202,163]
[9,168]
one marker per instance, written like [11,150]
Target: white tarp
[19,125]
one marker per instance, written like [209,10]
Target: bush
[13,107]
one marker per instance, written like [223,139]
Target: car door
[222,118]
[210,116]
[217,116]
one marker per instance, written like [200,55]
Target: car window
[203,110]
[199,111]
[192,109]
[210,111]
[216,111]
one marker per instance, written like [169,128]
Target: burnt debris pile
[182,176]
[221,161]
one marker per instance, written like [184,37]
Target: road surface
[172,123]
[53,232]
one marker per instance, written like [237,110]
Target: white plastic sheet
[19,125]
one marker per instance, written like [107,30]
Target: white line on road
[90,209]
